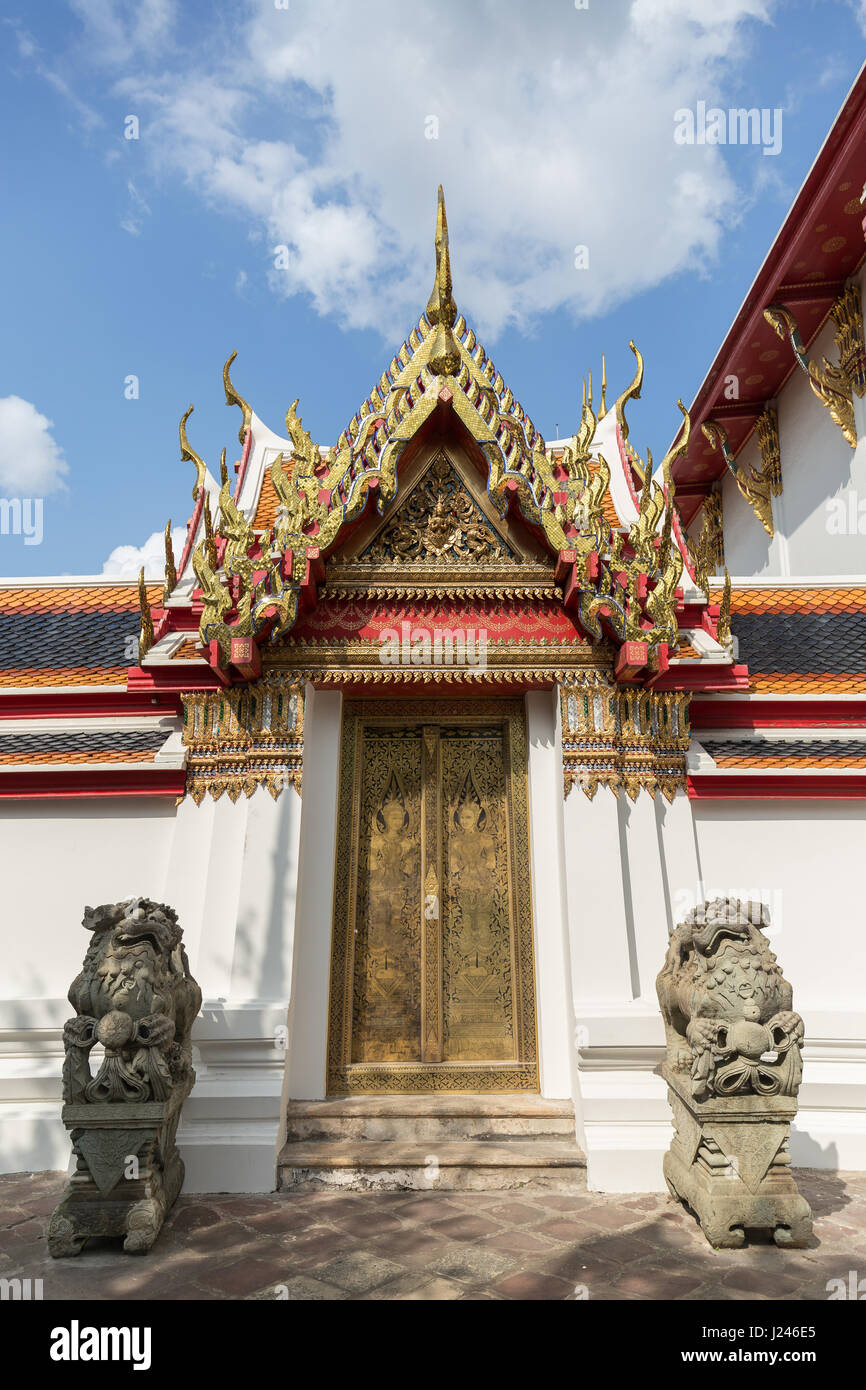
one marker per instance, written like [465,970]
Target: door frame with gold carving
[431,1073]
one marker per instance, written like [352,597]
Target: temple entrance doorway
[432,979]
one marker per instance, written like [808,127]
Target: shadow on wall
[264,938]
[806,1152]
[36,1144]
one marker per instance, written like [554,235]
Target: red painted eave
[786,712]
[79,782]
[86,704]
[721,786]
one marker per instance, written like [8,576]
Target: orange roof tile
[266,509]
[802,760]
[110,756]
[794,600]
[24,676]
[808,683]
[75,598]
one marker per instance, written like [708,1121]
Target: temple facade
[431,737]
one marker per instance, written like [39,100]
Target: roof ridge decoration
[622,585]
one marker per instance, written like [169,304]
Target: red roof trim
[843,155]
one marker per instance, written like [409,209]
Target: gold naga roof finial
[631,392]
[444,358]
[234,398]
[145,634]
[189,455]
[602,411]
[170,567]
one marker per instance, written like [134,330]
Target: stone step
[449,1142]
[439,1118]
[550,1165]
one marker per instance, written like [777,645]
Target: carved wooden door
[432,983]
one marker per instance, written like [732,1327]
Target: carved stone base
[729,1163]
[128,1175]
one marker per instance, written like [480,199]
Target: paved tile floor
[433,1245]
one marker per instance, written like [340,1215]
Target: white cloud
[31,461]
[554,125]
[137,210]
[115,31]
[125,561]
[555,128]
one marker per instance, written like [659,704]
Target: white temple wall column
[550,911]
[311,965]
[625,862]
[231,1123]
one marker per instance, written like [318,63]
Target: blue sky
[311,128]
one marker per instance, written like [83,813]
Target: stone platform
[436,1246]
[452,1143]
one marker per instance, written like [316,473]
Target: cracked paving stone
[516,1213]
[301,1288]
[418,1287]
[472,1264]
[359,1272]
[465,1227]
[657,1282]
[534,1285]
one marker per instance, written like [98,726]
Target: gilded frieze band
[619,737]
[243,738]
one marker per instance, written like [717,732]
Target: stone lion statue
[726,1005]
[135,996]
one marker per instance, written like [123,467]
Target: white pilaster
[308,1010]
[550,910]
[599,926]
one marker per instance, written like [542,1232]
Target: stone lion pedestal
[729,1162]
[733,1070]
[135,996]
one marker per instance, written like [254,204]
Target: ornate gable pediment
[439,523]
[441,534]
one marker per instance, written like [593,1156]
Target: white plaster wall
[230,872]
[748,548]
[804,859]
[55,858]
[633,871]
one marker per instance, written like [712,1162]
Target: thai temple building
[433,734]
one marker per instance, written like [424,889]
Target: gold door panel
[432,985]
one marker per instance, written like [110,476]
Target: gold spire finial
[603,410]
[440,306]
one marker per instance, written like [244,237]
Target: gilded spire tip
[440,306]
